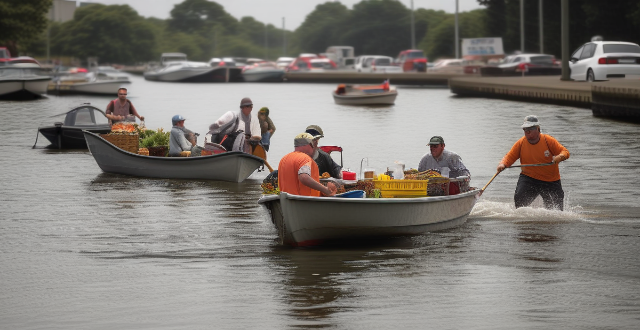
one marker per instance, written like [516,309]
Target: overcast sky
[272,11]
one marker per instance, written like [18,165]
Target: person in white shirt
[232,122]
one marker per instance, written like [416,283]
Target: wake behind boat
[365,94]
[304,220]
[233,166]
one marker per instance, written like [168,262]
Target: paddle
[259,151]
[521,165]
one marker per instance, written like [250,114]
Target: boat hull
[263,75]
[231,166]
[386,98]
[303,220]
[65,137]
[109,87]
[29,88]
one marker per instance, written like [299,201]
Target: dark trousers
[529,188]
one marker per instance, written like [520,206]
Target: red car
[308,63]
[412,60]
[4,54]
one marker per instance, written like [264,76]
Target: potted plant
[157,142]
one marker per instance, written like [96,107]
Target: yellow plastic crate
[401,188]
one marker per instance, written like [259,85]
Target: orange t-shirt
[541,152]
[288,169]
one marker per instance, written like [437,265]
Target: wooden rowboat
[234,166]
[365,94]
[304,220]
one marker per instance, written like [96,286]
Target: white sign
[482,46]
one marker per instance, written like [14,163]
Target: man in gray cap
[232,122]
[326,164]
[298,173]
[448,163]
[537,148]
[180,138]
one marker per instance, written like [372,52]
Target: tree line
[203,29]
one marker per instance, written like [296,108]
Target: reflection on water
[85,249]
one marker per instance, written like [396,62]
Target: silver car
[602,60]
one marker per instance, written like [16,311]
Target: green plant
[154,138]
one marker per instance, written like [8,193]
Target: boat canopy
[86,116]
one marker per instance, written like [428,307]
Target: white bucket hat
[530,121]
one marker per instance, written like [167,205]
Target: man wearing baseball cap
[537,148]
[448,163]
[178,137]
[233,121]
[298,173]
[323,159]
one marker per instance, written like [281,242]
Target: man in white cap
[323,159]
[537,148]
[232,121]
[180,138]
[298,173]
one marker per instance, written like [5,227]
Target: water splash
[535,212]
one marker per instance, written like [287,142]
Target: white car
[283,62]
[448,66]
[514,61]
[601,60]
[378,64]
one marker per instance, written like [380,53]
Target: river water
[82,249]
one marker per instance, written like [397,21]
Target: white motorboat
[365,94]
[233,166]
[23,78]
[174,67]
[263,72]
[94,83]
[304,220]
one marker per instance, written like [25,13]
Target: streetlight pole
[284,40]
[522,26]
[457,41]
[564,14]
[266,42]
[413,29]
[541,27]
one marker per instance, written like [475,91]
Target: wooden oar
[495,175]
[259,151]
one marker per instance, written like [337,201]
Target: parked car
[379,64]
[282,62]
[521,62]
[412,60]
[456,66]
[321,64]
[308,63]
[601,60]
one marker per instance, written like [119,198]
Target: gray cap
[315,131]
[245,101]
[530,121]
[436,140]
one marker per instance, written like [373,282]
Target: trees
[21,21]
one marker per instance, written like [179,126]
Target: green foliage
[439,42]
[322,27]
[154,138]
[21,21]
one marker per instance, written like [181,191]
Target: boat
[306,221]
[233,166]
[263,72]
[174,67]
[22,78]
[68,134]
[365,94]
[90,83]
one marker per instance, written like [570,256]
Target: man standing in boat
[232,121]
[121,109]
[298,173]
[447,162]
[537,148]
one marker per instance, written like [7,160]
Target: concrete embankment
[350,77]
[614,98]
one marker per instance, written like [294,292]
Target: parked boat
[234,166]
[304,220]
[174,67]
[22,78]
[91,83]
[365,94]
[68,134]
[263,72]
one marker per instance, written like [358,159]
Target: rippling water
[82,249]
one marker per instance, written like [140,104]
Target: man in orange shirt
[298,172]
[537,148]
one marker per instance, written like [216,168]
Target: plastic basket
[127,141]
[401,188]
[438,187]
[158,151]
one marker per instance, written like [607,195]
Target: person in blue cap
[180,139]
